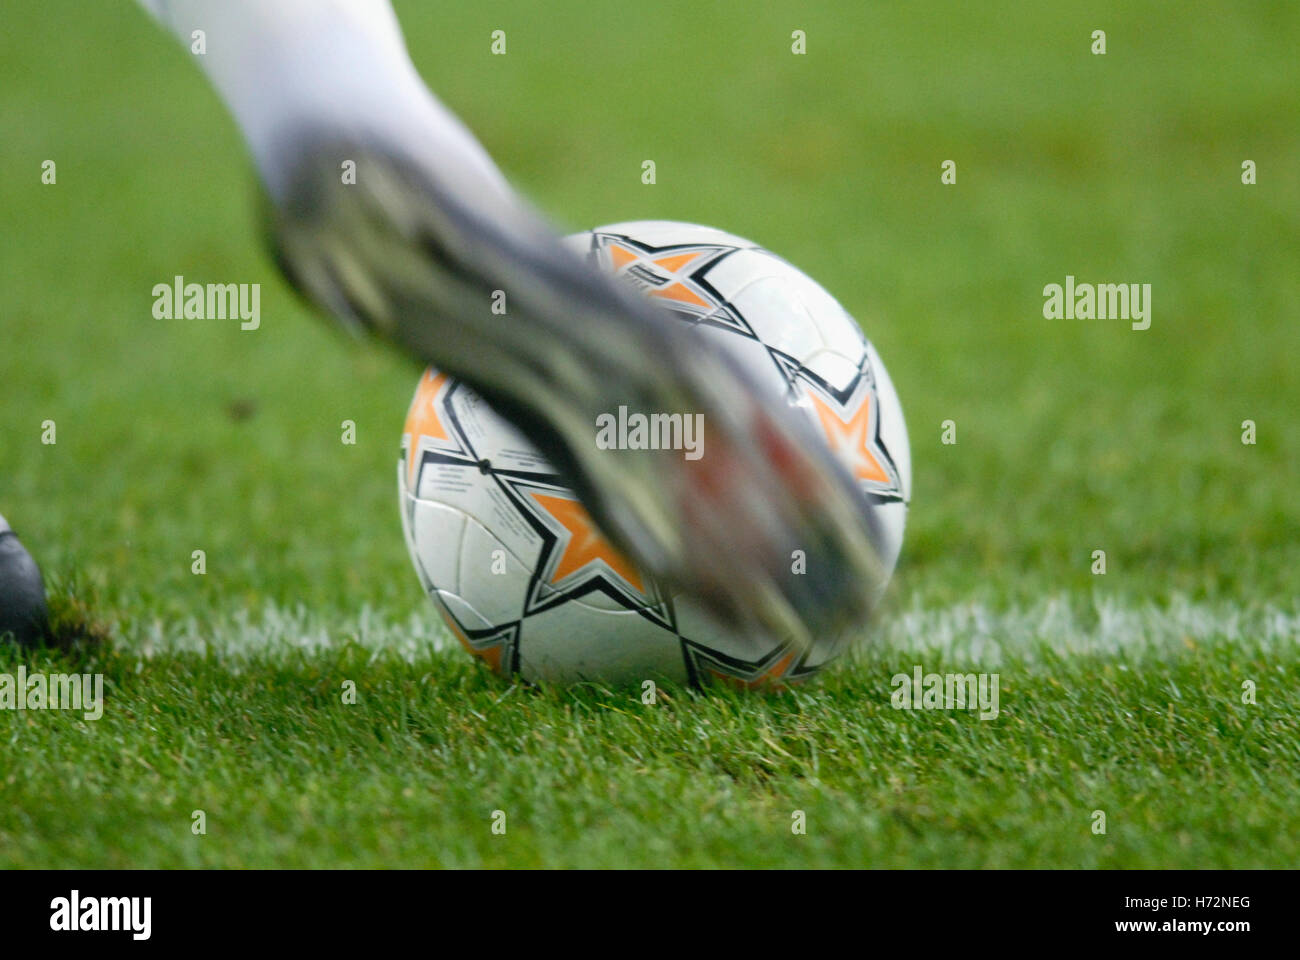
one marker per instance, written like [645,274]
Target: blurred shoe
[387,212]
[403,254]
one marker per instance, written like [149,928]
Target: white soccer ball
[512,560]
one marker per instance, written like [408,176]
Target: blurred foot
[422,261]
[387,212]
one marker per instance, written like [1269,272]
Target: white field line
[275,629]
[1069,626]
[969,632]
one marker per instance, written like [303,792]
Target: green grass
[288,775]
[1120,693]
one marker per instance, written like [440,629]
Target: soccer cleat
[387,212]
[23,613]
[402,253]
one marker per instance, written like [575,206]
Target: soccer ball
[512,560]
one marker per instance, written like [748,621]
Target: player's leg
[415,246]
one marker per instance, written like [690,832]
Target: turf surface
[1120,693]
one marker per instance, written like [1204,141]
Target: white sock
[338,67]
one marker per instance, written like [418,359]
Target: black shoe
[23,613]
